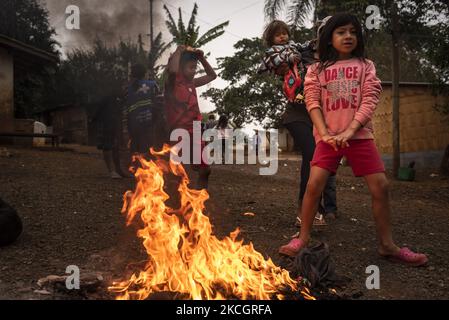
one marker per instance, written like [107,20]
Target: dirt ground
[71,214]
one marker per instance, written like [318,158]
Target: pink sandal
[292,248]
[408,257]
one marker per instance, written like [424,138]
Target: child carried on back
[286,58]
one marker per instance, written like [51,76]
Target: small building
[424,132]
[70,122]
[16,57]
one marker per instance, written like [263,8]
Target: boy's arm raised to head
[210,72]
[175,59]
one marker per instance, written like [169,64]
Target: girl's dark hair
[222,122]
[271,29]
[137,73]
[328,54]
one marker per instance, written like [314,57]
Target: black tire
[10,224]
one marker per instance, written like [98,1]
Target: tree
[87,77]
[190,36]
[416,36]
[27,21]
[156,51]
[298,10]
[402,20]
[249,96]
[437,52]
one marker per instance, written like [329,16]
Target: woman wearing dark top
[297,121]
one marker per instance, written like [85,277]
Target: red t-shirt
[181,103]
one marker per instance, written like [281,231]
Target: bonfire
[184,255]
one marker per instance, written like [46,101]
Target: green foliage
[249,96]
[84,78]
[87,77]
[156,51]
[189,35]
[298,10]
[424,30]
[440,61]
[27,21]
[419,22]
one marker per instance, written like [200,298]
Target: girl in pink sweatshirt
[342,92]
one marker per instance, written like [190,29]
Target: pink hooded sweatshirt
[347,90]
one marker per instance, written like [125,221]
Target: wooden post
[6,87]
[444,167]
[395,90]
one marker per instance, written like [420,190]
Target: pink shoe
[408,257]
[292,248]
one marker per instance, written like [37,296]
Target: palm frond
[171,25]
[190,35]
[156,52]
[163,47]
[192,21]
[298,12]
[273,8]
[211,34]
[194,35]
[181,26]
[158,48]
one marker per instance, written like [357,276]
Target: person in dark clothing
[296,117]
[141,110]
[107,117]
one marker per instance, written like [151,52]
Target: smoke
[110,20]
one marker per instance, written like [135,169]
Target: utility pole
[395,89]
[151,24]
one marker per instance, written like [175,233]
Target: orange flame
[184,254]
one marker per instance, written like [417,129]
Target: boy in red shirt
[181,100]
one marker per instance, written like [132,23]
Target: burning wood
[4,153]
[184,256]
[90,282]
[249,214]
